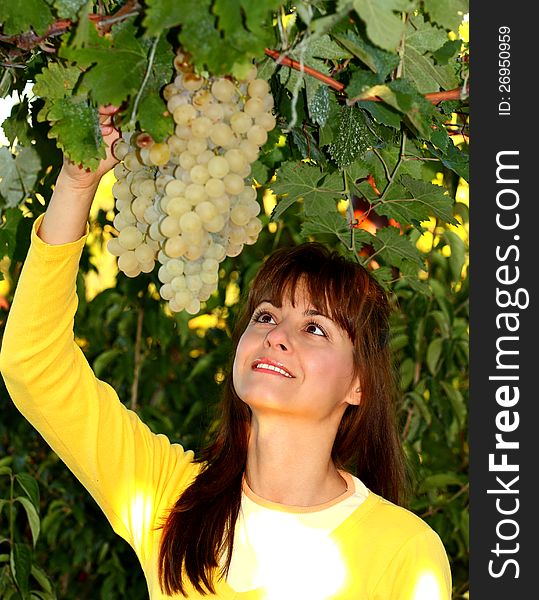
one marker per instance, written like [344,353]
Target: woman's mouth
[264,364]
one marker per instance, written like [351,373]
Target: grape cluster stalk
[184,203]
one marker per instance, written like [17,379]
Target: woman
[269,510]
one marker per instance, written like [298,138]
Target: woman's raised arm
[69,207]
[132,473]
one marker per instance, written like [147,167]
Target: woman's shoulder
[394,524]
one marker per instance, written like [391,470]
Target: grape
[258,88]
[206,211]
[187,160]
[178,283]
[193,307]
[127,261]
[164,274]
[190,222]
[221,134]
[266,120]
[235,159]
[204,157]
[254,107]
[233,184]
[144,253]
[170,226]
[201,99]
[159,154]
[130,237]
[195,193]
[222,203]
[214,112]
[183,202]
[192,82]
[240,215]
[201,127]
[241,122]
[214,187]
[166,291]
[177,206]
[199,174]
[223,90]
[197,145]
[257,135]
[175,188]
[218,166]
[114,247]
[175,246]
[175,267]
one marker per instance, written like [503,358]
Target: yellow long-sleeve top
[376,551]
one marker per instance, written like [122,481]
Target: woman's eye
[263,317]
[315,329]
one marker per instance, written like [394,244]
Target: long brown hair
[199,530]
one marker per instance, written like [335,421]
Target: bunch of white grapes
[184,203]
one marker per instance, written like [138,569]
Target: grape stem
[151,58]
[433,97]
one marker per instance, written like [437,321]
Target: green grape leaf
[75,125]
[16,127]
[53,83]
[425,74]
[115,68]
[423,36]
[325,47]
[384,27]
[395,248]
[453,159]
[444,54]
[326,222]
[21,17]
[18,174]
[298,180]
[380,62]
[319,106]
[386,115]
[425,199]
[353,137]
[359,82]
[307,145]
[401,95]
[153,117]
[163,14]
[68,9]
[447,13]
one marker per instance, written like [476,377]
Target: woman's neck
[290,463]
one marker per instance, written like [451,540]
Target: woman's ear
[354,396]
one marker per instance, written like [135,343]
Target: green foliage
[337,162]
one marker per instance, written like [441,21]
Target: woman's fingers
[106,119]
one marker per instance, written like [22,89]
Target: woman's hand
[67,214]
[84,178]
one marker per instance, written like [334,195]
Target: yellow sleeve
[419,571]
[131,473]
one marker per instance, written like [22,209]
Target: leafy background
[371,160]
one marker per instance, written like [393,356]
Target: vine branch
[433,97]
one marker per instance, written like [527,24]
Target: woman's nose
[277,338]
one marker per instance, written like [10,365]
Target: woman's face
[294,361]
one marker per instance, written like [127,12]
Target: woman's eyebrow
[312,312]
